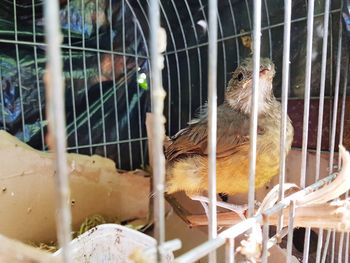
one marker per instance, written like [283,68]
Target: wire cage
[109,54]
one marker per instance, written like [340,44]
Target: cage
[113,59]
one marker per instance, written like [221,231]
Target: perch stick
[328,216]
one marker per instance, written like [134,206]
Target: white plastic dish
[109,243]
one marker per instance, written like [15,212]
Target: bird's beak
[265,70]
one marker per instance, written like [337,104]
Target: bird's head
[239,90]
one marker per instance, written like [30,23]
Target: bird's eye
[240,76]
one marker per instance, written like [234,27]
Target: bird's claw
[238,209]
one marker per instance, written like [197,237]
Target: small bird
[187,152]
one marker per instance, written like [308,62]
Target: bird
[186,152]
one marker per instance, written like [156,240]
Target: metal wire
[306,244]
[320,114]
[347,247]
[37,81]
[230,251]
[335,103]
[126,85]
[290,231]
[2,101]
[71,76]
[310,23]
[333,128]
[114,84]
[199,45]
[265,236]
[254,106]
[137,56]
[18,66]
[343,107]
[212,122]
[341,134]
[200,251]
[85,79]
[100,78]
[284,107]
[107,143]
[223,48]
[169,93]
[333,246]
[76,48]
[340,250]
[143,36]
[172,38]
[296,20]
[277,237]
[325,248]
[234,30]
[57,127]
[211,245]
[319,245]
[322,89]
[248,13]
[138,95]
[187,60]
[269,30]
[198,56]
[158,95]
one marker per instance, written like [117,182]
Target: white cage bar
[153,13]
[212,123]
[55,88]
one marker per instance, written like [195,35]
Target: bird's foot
[238,209]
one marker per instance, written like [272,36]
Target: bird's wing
[232,131]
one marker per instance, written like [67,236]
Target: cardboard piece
[27,191]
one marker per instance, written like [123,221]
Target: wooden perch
[328,216]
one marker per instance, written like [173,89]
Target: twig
[334,215]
